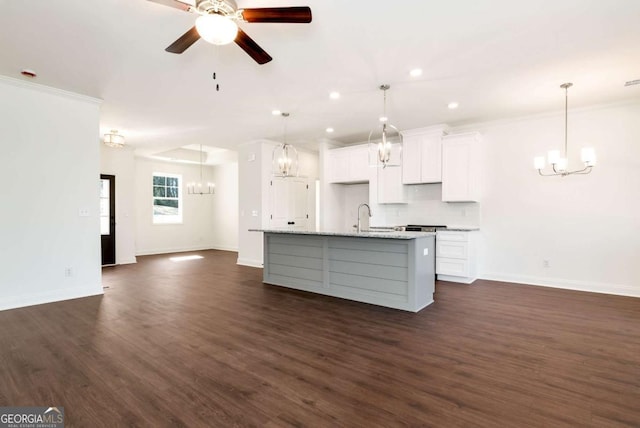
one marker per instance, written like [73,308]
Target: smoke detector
[28,73]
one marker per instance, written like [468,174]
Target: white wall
[587,226]
[250,202]
[120,162]
[50,171]
[225,207]
[196,230]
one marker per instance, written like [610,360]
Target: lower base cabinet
[456,256]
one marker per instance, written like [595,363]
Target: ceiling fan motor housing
[221,7]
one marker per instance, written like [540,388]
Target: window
[167,198]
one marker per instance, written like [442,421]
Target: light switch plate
[425,252]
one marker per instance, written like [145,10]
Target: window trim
[158,219]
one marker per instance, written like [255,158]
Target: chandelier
[199,188]
[284,157]
[560,165]
[113,139]
[385,144]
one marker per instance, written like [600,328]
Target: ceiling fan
[218,19]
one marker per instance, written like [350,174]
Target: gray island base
[395,270]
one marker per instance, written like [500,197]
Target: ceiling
[496,58]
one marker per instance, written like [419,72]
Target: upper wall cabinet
[422,157]
[461,167]
[348,164]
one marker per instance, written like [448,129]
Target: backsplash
[425,206]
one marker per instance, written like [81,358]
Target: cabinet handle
[291,222]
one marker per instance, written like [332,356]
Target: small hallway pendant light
[559,165]
[113,139]
[385,143]
[199,188]
[284,158]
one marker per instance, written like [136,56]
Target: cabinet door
[288,200]
[431,159]
[411,160]
[298,197]
[279,203]
[338,170]
[359,169]
[459,168]
[390,189]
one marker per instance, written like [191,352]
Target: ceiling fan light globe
[216,29]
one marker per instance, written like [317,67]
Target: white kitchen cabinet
[348,165]
[288,203]
[389,181]
[422,157]
[456,256]
[461,167]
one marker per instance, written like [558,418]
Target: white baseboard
[48,297]
[250,263]
[224,248]
[593,287]
[127,261]
[151,252]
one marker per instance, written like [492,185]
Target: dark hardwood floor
[205,343]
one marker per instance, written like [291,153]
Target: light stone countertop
[386,234]
[460,229]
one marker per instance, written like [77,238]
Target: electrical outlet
[68,272]
[545,263]
[254,213]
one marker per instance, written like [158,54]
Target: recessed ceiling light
[453,105]
[329,130]
[276,112]
[416,72]
[334,95]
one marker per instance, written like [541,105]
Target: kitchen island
[392,269]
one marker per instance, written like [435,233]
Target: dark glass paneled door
[108,218]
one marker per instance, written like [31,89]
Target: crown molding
[48,90]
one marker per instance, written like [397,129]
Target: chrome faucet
[368,209]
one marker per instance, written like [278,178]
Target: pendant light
[113,139]
[284,158]
[385,143]
[199,188]
[559,165]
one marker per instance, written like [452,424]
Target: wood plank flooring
[205,343]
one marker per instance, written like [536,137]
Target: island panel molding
[392,270]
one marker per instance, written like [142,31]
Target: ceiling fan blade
[174,3]
[301,15]
[186,40]
[249,46]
